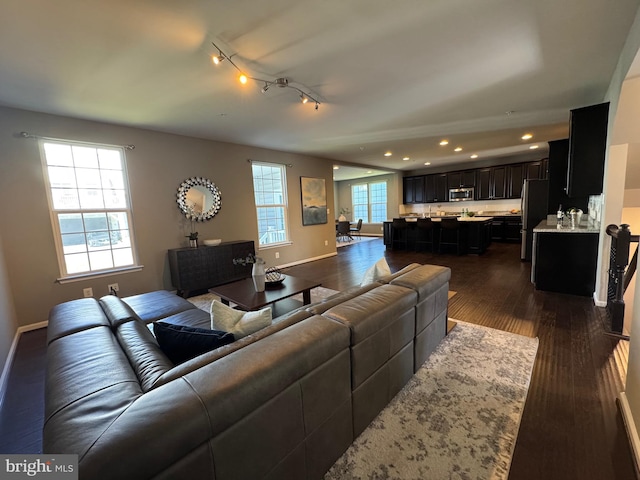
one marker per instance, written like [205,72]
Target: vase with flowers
[192,217]
[257,272]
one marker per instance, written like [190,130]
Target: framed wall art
[314,200]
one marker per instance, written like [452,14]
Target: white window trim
[285,205]
[57,236]
[368,185]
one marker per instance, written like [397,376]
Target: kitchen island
[565,258]
[475,233]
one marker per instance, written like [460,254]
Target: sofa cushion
[279,323]
[240,323]
[376,271]
[117,311]
[425,280]
[145,355]
[157,305]
[74,316]
[181,343]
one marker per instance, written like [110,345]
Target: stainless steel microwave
[460,194]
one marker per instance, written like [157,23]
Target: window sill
[106,273]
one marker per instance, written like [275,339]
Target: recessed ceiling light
[457,149]
[444,142]
[533,147]
[527,136]
[475,155]
[335,167]
[405,158]
[427,163]
[388,154]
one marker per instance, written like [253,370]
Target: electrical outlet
[277,254]
[113,287]
[326,243]
[87,292]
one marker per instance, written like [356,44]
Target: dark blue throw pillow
[181,343]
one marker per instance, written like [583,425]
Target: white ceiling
[391,75]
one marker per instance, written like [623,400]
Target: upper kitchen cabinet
[436,188]
[413,190]
[515,177]
[587,145]
[491,183]
[536,170]
[466,178]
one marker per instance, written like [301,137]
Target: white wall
[630,398]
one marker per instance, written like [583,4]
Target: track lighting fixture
[281,82]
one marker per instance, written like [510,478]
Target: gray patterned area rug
[457,418]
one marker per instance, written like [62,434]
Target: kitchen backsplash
[472,205]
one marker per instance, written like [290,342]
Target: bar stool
[398,232]
[449,234]
[424,236]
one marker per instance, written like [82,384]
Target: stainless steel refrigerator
[535,194]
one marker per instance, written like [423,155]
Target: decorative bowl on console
[212,242]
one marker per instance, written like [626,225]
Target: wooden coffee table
[243,293]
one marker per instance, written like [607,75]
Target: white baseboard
[630,426]
[598,303]
[8,363]
[306,260]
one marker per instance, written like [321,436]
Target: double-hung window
[269,187]
[90,208]
[369,202]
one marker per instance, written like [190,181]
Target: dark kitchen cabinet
[506,228]
[515,178]
[466,178]
[491,183]
[544,169]
[534,171]
[565,262]
[413,189]
[557,175]
[587,145]
[436,188]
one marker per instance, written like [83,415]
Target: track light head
[217,59]
[304,98]
[317,104]
[266,87]
[243,78]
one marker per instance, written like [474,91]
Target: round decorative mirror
[198,198]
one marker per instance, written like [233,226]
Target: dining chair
[342,231]
[356,230]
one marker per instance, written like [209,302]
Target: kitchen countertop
[460,219]
[548,227]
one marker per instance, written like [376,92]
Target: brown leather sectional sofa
[283,403]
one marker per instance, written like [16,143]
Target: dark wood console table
[200,268]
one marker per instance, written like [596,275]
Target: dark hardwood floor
[571,427]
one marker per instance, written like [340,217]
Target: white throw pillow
[377,270]
[240,323]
